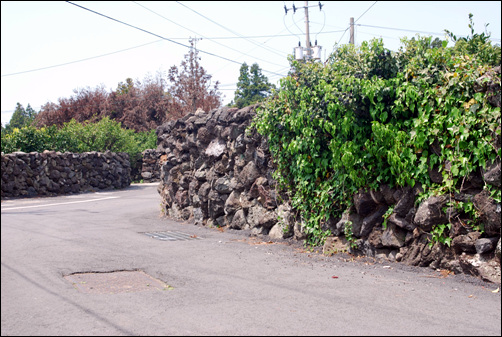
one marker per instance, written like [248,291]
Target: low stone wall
[148,166]
[53,173]
[217,174]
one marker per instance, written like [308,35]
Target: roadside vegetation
[101,136]
[123,120]
[369,116]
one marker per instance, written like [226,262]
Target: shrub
[80,137]
[370,117]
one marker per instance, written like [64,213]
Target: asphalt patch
[115,282]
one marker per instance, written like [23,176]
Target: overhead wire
[415,31]
[122,50]
[138,28]
[173,38]
[322,25]
[203,35]
[231,31]
[281,54]
[295,21]
[365,11]
[148,32]
[214,38]
[399,29]
[360,16]
[285,25]
[81,60]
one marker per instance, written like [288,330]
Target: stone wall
[148,166]
[217,174]
[52,173]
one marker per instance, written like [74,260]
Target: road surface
[109,263]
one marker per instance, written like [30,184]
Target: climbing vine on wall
[370,117]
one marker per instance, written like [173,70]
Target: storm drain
[115,282]
[171,236]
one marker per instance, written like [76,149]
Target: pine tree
[30,114]
[20,118]
[252,86]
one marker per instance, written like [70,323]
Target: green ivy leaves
[370,117]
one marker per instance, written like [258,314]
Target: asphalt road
[84,265]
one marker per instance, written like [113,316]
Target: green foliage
[125,88]
[347,230]
[439,235]
[252,86]
[20,118]
[476,44]
[80,137]
[468,214]
[370,117]
[387,215]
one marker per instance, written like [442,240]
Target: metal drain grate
[171,236]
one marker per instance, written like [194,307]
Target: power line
[401,29]
[231,31]
[174,38]
[86,59]
[378,35]
[365,11]
[148,32]
[411,31]
[345,31]
[258,36]
[360,16]
[203,35]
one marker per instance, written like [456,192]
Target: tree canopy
[20,118]
[140,105]
[252,86]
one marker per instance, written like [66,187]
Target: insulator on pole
[316,51]
[299,52]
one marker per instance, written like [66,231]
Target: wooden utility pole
[351,30]
[193,69]
[309,50]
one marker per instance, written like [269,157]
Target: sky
[51,48]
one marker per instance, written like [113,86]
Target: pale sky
[50,48]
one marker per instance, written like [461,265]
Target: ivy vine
[370,116]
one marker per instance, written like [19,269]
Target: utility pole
[193,69]
[307,39]
[351,30]
[309,52]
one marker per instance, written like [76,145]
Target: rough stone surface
[490,212]
[465,243]
[148,166]
[430,213]
[492,174]
[231,168]
[54,173]
[229,173]
[485,245]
